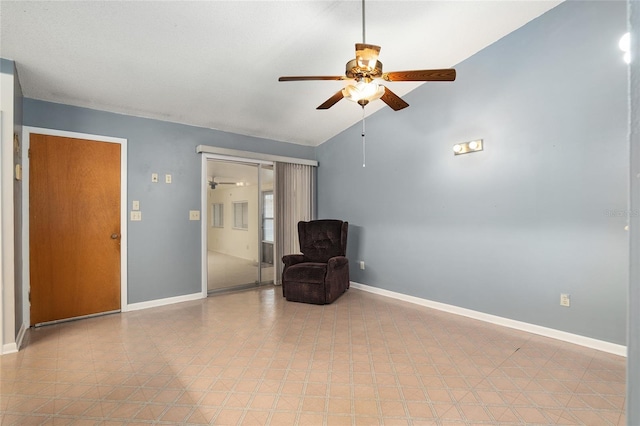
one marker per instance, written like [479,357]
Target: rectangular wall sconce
[467,147]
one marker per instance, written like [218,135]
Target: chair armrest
[292,259]
[338,262]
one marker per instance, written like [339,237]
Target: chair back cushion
[320,240]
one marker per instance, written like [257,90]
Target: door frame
[26,282]
[204,219]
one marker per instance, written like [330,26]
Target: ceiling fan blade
[448,74]
[394,101]
[332,100]
[312,77]
[367,55]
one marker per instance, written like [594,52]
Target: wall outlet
[154,177]
[565,299]
[136,216]
[194,214]
[362,265]
[167,178]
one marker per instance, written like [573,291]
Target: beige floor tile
[228,416]
[263,401]
[176,414]
[311,419]
[340,405]
[364,360]
[283,418]
[366,407]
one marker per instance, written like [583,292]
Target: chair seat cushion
[307,272]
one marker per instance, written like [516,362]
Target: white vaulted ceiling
[216,64]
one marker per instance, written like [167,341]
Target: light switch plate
[194,214]
[136,205]
[154,177]
[136,216]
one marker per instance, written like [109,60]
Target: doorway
[240,224]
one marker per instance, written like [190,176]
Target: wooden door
[74,227]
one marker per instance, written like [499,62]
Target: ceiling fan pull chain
[363,141]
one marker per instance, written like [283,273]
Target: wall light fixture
[467,147]
[625,45]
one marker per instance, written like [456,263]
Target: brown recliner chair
[321,273]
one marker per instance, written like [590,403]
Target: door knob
[114,236]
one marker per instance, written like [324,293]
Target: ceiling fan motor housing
[353,70]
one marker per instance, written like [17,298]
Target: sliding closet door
[267,270]
[252,211]
[234,229]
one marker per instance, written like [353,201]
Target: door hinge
[29,153]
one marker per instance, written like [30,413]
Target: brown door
[74,227]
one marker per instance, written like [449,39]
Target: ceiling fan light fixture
[363,92]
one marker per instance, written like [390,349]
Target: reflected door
[235,248]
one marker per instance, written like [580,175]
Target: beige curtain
[295,195]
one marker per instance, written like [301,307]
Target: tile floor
[225,271]
[252,358]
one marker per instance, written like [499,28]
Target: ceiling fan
[213,184]
[365,69]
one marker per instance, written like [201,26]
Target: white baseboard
[11,348]
[505,322]
[21,333]
[163,302]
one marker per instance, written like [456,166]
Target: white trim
[9,348]
[7,222]
[26,283]
[204,206]
[505,322]
[167,301]
[2,280]
[21,333]
[205,149]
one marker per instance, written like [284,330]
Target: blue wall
[541,211]
[164,249]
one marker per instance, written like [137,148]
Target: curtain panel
[295,198]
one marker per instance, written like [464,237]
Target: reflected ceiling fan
[365,69]
[213,184]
